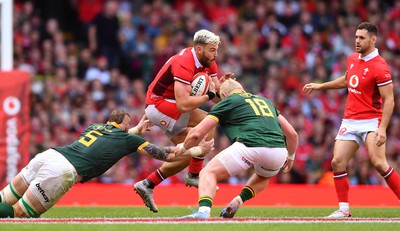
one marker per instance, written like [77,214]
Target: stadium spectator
[103,33]
[262,139]
[367,115]
[52,173]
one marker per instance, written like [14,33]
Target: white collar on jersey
[196,61]
[369,56]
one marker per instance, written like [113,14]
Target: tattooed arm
[159,153]
[168,154]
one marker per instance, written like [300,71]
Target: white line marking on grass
[177,220]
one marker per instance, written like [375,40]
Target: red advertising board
[14,123]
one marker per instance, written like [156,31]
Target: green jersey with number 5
[249,119]
[99,147]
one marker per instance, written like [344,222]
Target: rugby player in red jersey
[170,106]
[369,106]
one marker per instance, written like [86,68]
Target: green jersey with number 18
[99,147]
[249,119]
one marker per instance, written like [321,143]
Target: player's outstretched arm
[169,154]
[338,83]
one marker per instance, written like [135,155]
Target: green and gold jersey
[99,147]
[249,119]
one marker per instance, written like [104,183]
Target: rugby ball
[200,83]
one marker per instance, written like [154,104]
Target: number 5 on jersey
[89,138]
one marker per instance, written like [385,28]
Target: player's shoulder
[185,56]
[379,60]
[380,66]
[353,57]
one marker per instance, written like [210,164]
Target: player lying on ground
[50,175]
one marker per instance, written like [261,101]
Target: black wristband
[211,95]
[217,94]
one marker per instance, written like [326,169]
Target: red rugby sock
[196,164]
[156,177]
[342,186]
[393,181]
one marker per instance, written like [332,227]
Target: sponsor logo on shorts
[342,130]
[42,192]
[269,170]
[163,123]
[246,161]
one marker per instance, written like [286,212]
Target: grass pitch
[281,218]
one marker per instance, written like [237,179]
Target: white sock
[204,209]
[239,199]
[344,206]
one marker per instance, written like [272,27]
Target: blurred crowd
[87,57]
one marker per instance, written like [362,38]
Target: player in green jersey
[49,175]
[262,139]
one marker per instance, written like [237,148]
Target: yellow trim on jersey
[143,145]
[114,124]
[238,91]
[214,118]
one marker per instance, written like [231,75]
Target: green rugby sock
[6,211]
[247,193]
[205,201]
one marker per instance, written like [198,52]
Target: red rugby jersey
[180,67]
[364,77]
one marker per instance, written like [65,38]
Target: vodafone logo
[11,105]
[354,81]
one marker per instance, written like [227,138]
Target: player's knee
[205,174]
[338,164]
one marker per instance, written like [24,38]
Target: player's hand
[143,126]
[287,166]
[206,146]
[226,76]
[212,87]
[379,137]
[309,87]
[179,150]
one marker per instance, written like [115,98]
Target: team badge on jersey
[365,71]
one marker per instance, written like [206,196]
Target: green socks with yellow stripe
[247,193]
[6,211]
[205,203]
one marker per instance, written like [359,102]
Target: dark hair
[371,28]
[118,116]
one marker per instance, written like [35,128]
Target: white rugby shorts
[356,130]
[238,158]
[169,125]
[49,176]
